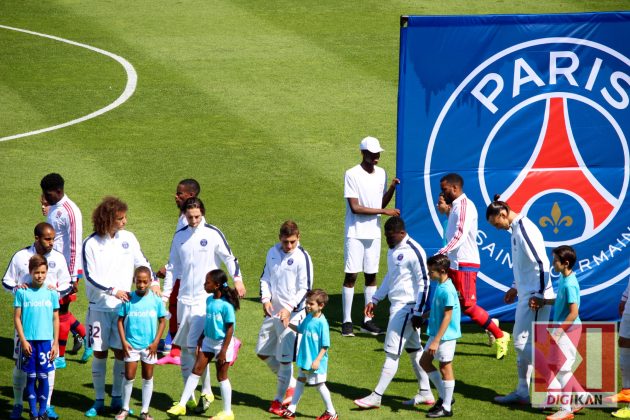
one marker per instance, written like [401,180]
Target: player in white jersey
[530,266]
[367,195]
[196,249]
[17,277]
[406,285]
[110,256]
[286,278]
[461,249]
[65,217]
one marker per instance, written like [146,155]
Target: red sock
[481,318]
[64,331]
[175,351]
[75,326]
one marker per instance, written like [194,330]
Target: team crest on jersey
[203,242]
[400,257]
[125,245]
[58,215]
[290,261]
[52,264]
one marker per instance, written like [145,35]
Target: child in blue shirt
[444,330]
[312,357]
[36,320]
[140,326]
[217,342]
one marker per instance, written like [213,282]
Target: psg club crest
[400,257]
[125,245]
[290,261]
[52,264]
[536,109]
[203,242]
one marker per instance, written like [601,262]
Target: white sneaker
[561,415]
[371,401]
[491,338]
[420,399]
[512,398]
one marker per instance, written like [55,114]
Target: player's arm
[448,314]
[359,209]
[462,227]
[389,193]
[534,250]
[319,358]
[419,274]
[265,289]
[304,282]
[10,279]
[229,332]
[154,345]
[64,281]
[231,263]
[19,328]
[379,295]
[54,351]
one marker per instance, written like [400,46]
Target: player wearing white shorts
[286,278]
[530,266]
[110,256]
[196,249]
[406,285]
[17,277]
[366,193]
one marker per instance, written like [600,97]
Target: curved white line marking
[132,80]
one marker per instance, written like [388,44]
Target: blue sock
[42,392]
[30,391]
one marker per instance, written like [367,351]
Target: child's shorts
[312,378]
[142,355]
[214,346]
[39,360]
[445,352]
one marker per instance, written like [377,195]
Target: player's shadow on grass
[6,347]
[394,402]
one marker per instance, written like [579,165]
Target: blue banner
[532,107]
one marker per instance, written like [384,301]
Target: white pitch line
[132,80]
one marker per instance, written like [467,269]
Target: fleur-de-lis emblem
[556,218]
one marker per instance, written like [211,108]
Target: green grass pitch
[264,102]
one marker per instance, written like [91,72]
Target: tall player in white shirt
[17,276]
[406,285]
[65,217]
[110,256]
[461,249]
[286,278]
[196,249]
[367,195]
[530,266]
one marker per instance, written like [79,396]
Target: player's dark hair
[395,224]
[319,295]
[219,278]
[191,185]
[142,269]
[52,182]
[194,203]
[36,261]
[565,253]
[453,179]
[104,215]
[289,228]
[40,227]
[496,207]
[439,261]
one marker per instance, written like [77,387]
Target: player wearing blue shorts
[36,320]
[140,326]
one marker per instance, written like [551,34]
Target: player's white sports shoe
[371,401]
[419,399]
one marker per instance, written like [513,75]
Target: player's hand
[240,288]
[51,287]
[221,358]
[267,308]
[369,310]
[285,317]
[536,303]
[315,365]
[54,351]
[122,295]
[394,182]
[127,348]
[416,322]
[156,289]
[26,348]
[510,295]
[153,349]
[426,314]
[433,348]
[161,273]
[21,286]
[622,307]
[391,212]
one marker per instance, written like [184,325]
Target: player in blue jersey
[312,357]
[444,330]
[216,342]
[36,320]
[140,325]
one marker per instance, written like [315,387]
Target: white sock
[624,365]
[299,390]
[205,386]
[449,387]
[437,382]
[147,393]
[51,385]
[19,382]
[119,376]
[189,388]
[325,393]
[524,369]
[424,386]
[368,292]
[347,295]
[226,395]
[284,377]
[127,389]
[98,377]
[387,373]
[273,364]
[292,382]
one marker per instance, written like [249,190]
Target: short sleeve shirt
[568,293]
[141,317]
[315,335]
[219,312]
[368,189]
[37,306]
[445,295]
